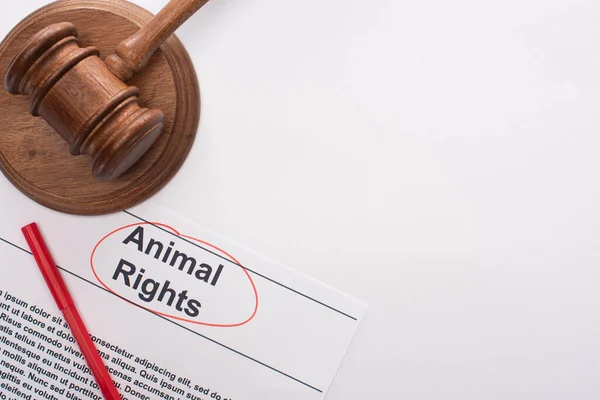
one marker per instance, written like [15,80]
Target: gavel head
[74,91]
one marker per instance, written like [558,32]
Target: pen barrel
[88,349]
[47,266]
[65,303]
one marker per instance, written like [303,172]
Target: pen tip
[29,227]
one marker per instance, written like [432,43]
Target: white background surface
[437,159]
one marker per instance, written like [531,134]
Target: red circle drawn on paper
[229,256]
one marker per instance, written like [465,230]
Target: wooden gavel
[85,99]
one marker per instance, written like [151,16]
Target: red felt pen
[65,304]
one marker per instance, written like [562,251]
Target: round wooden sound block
[37,160]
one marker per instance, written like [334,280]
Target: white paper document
[176,312]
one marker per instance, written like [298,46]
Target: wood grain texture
[73,90]
[37,161]
[132,54]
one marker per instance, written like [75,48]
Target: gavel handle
[132,54]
